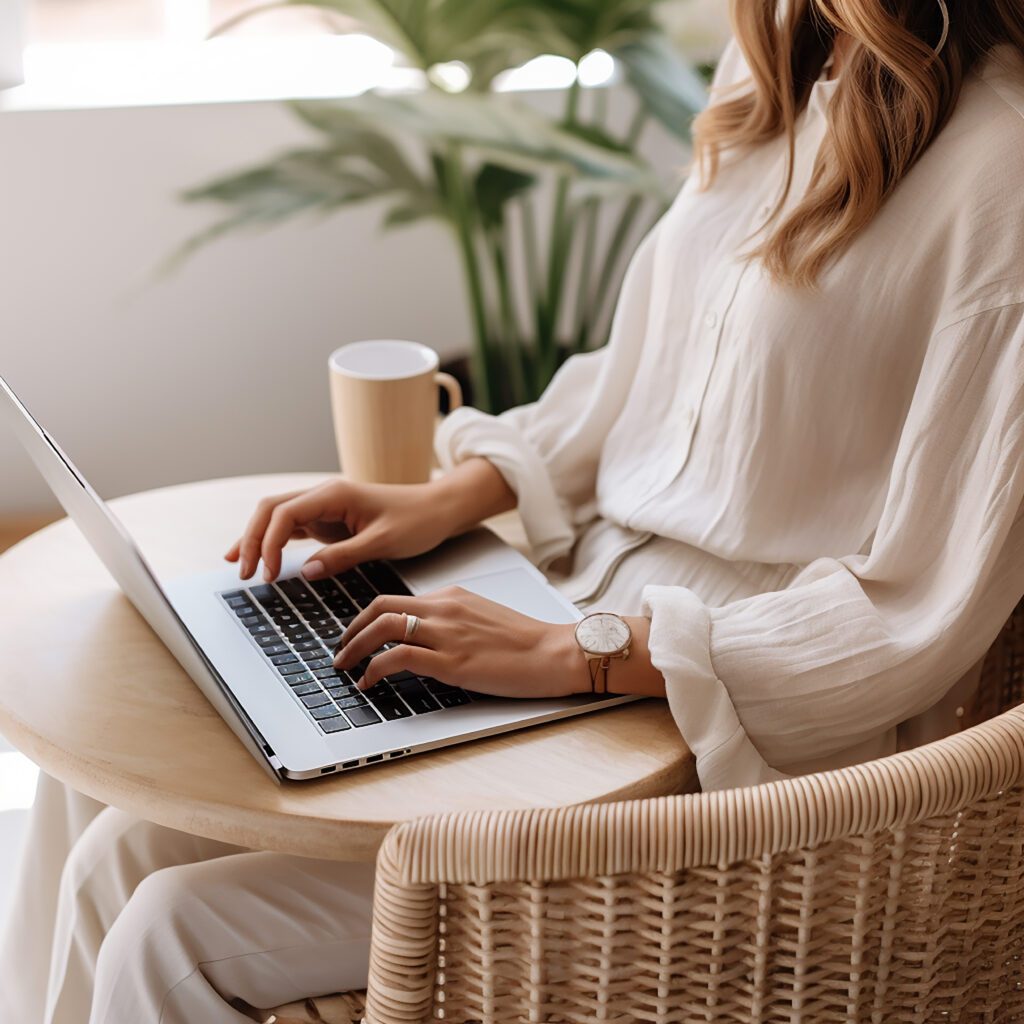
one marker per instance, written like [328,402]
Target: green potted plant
[544,209]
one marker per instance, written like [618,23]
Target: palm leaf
[495,128]
[314,181]
[670,88]
[494,187]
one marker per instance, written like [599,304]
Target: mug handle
[451,387]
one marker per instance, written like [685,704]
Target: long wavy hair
[894,97]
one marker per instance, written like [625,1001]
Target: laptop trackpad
[521,591]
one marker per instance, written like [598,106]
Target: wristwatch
[603,637]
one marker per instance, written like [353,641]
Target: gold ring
[411,625]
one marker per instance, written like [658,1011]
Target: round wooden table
[90,694]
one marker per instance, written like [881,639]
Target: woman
[797,472]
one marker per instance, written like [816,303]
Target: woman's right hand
[358,522]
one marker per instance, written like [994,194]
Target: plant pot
[506,395]
[461,370]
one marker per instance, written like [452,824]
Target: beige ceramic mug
[385,400]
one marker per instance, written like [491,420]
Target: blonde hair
[894,96]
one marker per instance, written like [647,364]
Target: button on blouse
[831,478]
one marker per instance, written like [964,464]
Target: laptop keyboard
[297,625]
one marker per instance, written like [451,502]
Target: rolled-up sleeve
[857,644]
[548,451]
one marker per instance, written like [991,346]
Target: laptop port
[327,771]
[374,758]
[349,764]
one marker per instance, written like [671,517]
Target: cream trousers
[119,921]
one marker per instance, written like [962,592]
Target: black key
[384,578]
[339,724]
[271,649]
[316,700]
[353,575]
[331,641]
[341,606]
[362,598]
[298,679]
[327,673]
[265,592]
[245,610]
[453,699]
[236,597]
[362,716]
[337,692]
[306,689]
[314,620]
[286,619]
[288,671]
[421,704]
[435,686]
[285,659]
[401,677]
[315,663]
[391,710]
[327,711]
[351,701]
[262,629]
[281,615]
[294,589]
[411,686]
[323,587]
[251,620]
[358,589]
[308,645]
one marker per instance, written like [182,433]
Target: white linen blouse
[814,494]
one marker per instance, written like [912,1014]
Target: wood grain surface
[91,695]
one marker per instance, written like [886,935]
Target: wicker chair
[890,891]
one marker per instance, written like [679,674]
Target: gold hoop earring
[945,27]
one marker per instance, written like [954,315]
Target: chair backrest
[888,891]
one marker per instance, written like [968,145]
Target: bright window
[89,53]
[80,21]
[94,53]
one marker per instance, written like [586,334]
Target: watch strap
[598,670]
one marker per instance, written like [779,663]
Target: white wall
[218,370]
[12,30]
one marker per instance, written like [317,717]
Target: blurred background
[199,202]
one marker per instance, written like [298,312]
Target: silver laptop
[262,653]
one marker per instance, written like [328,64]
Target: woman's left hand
[465,640]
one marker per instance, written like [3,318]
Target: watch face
[603,633]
